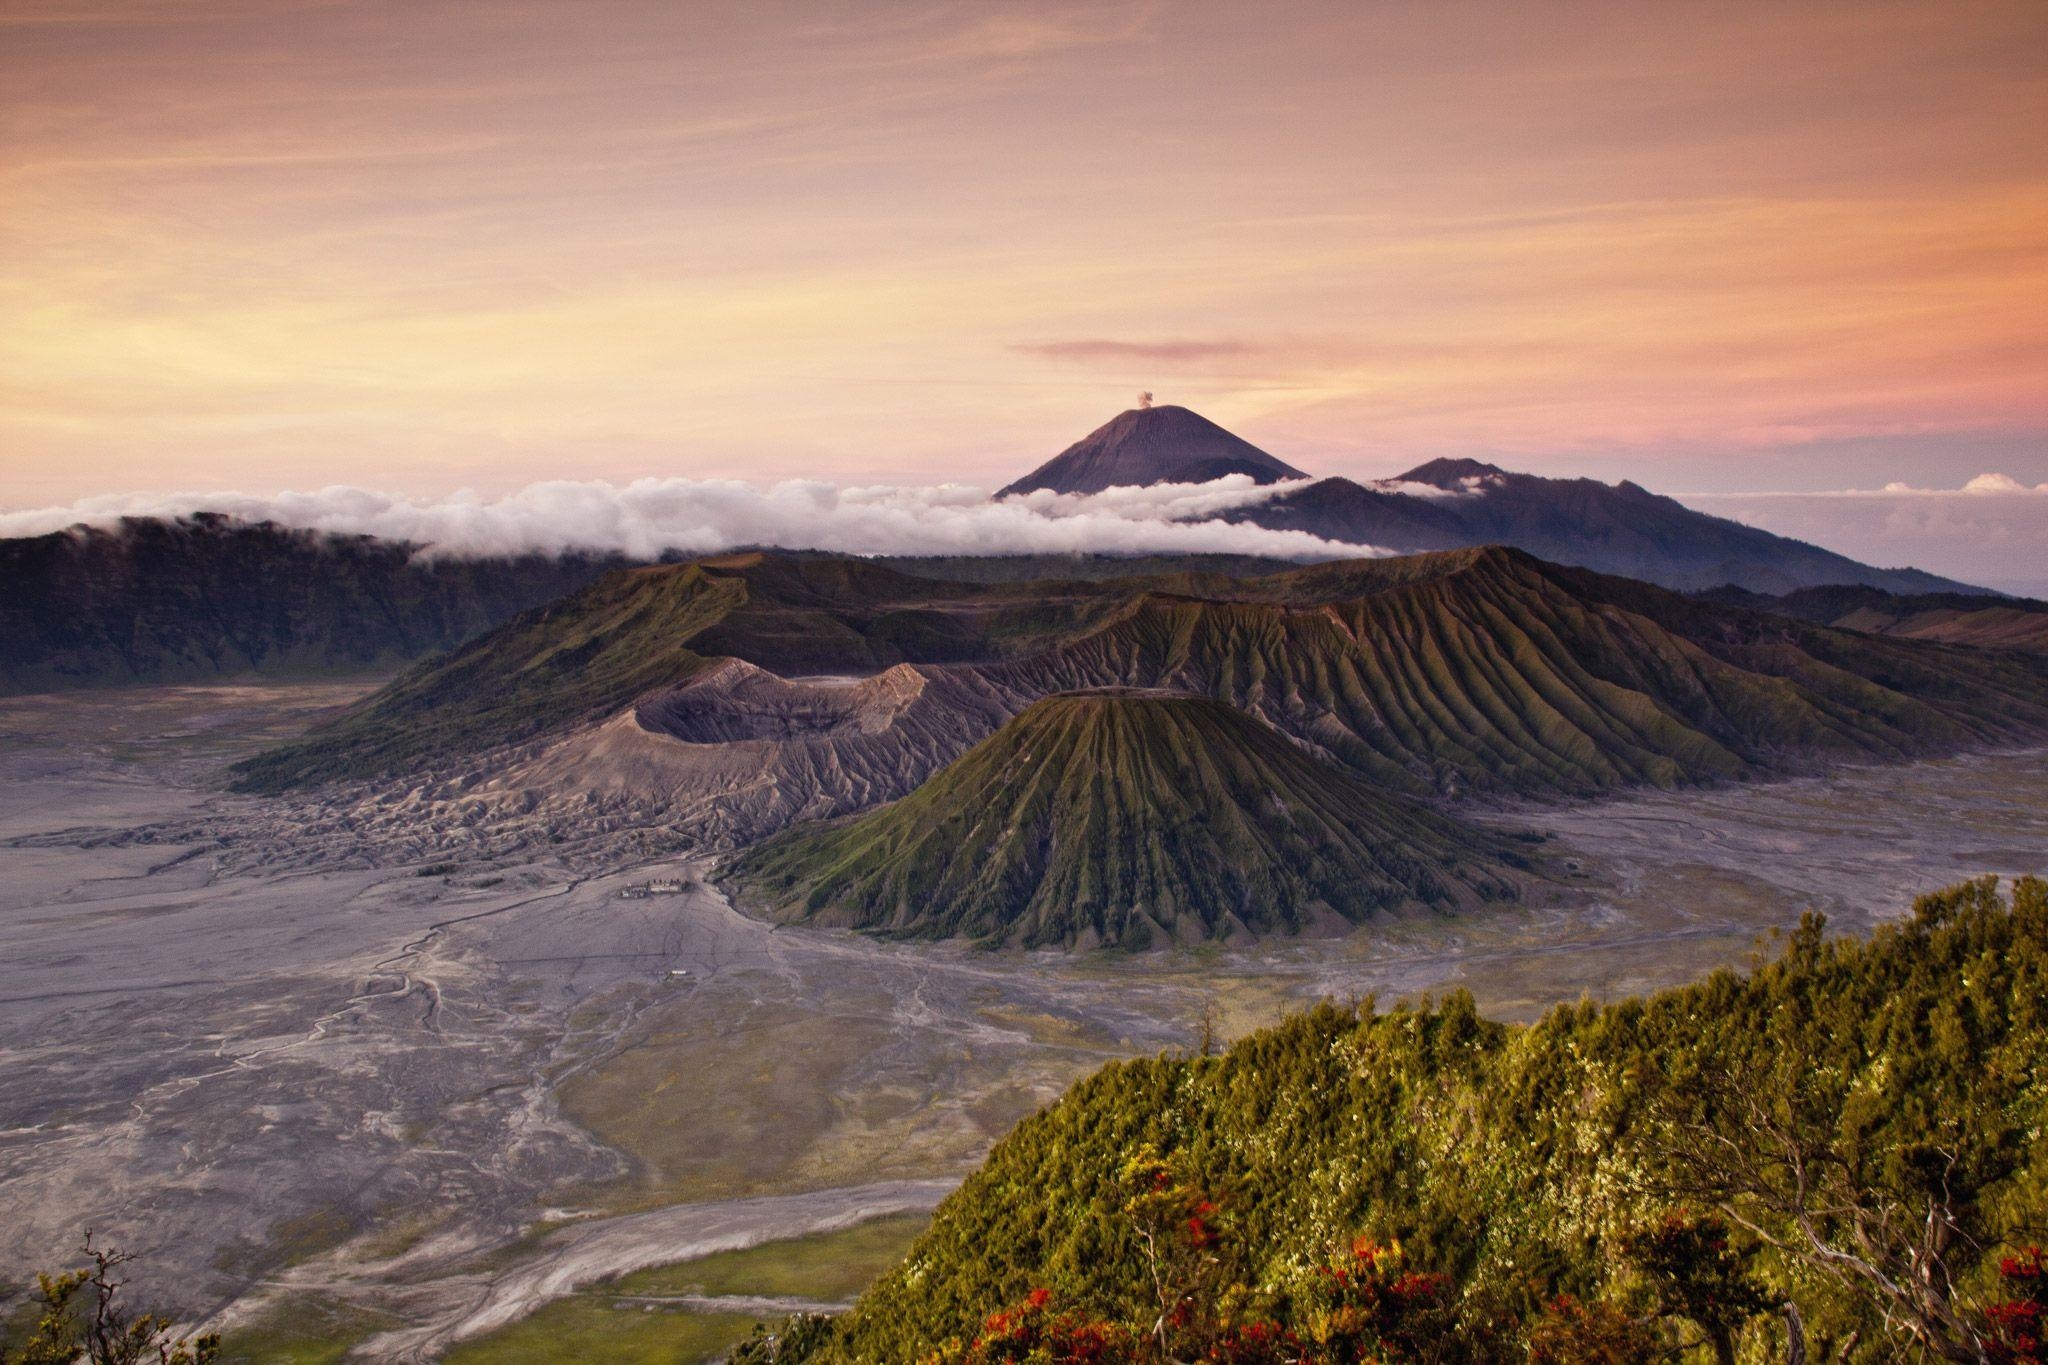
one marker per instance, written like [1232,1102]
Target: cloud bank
[1993,530]
[648,517]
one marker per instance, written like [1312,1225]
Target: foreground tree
[81,1318]
[1869,1167]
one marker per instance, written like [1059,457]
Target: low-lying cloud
[650,517]
[1471,486]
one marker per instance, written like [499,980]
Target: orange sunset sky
[264,244]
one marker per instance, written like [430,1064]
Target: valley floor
[416,1103]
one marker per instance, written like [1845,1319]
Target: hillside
[552,666]
[206,597]
[1477,1192]
[1952,618]
[1125,818]
[1152,445]
[1466,673]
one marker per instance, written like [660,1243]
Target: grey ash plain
[294,1065]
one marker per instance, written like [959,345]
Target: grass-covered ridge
[1853,1128]
[1479,670]
[1126,818]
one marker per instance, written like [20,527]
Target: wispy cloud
[1991,485]
[1174,352]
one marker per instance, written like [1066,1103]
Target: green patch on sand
[623,1322]
[831,1267]
[585,1327]
[311,1332]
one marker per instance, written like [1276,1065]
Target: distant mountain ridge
[1145,446]
[202,597]
[1952,618]
[1621,529]
[1449,504]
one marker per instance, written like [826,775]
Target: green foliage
[81,1319]
[1601,1179]
[1696,1271]
[1097,817]
[797,1338]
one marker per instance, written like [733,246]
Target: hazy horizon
[1990,532]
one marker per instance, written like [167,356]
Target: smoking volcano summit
[1148,445]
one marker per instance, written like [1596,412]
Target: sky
[1722,249]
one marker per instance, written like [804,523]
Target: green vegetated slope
[1026,568]
[1850,1116]
[1118,817]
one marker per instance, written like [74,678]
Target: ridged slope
[595,652]
[1117,818]
[1487,670]
[1467,671]
[554,666]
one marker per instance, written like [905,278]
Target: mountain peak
[1143,446]
[1449,473]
